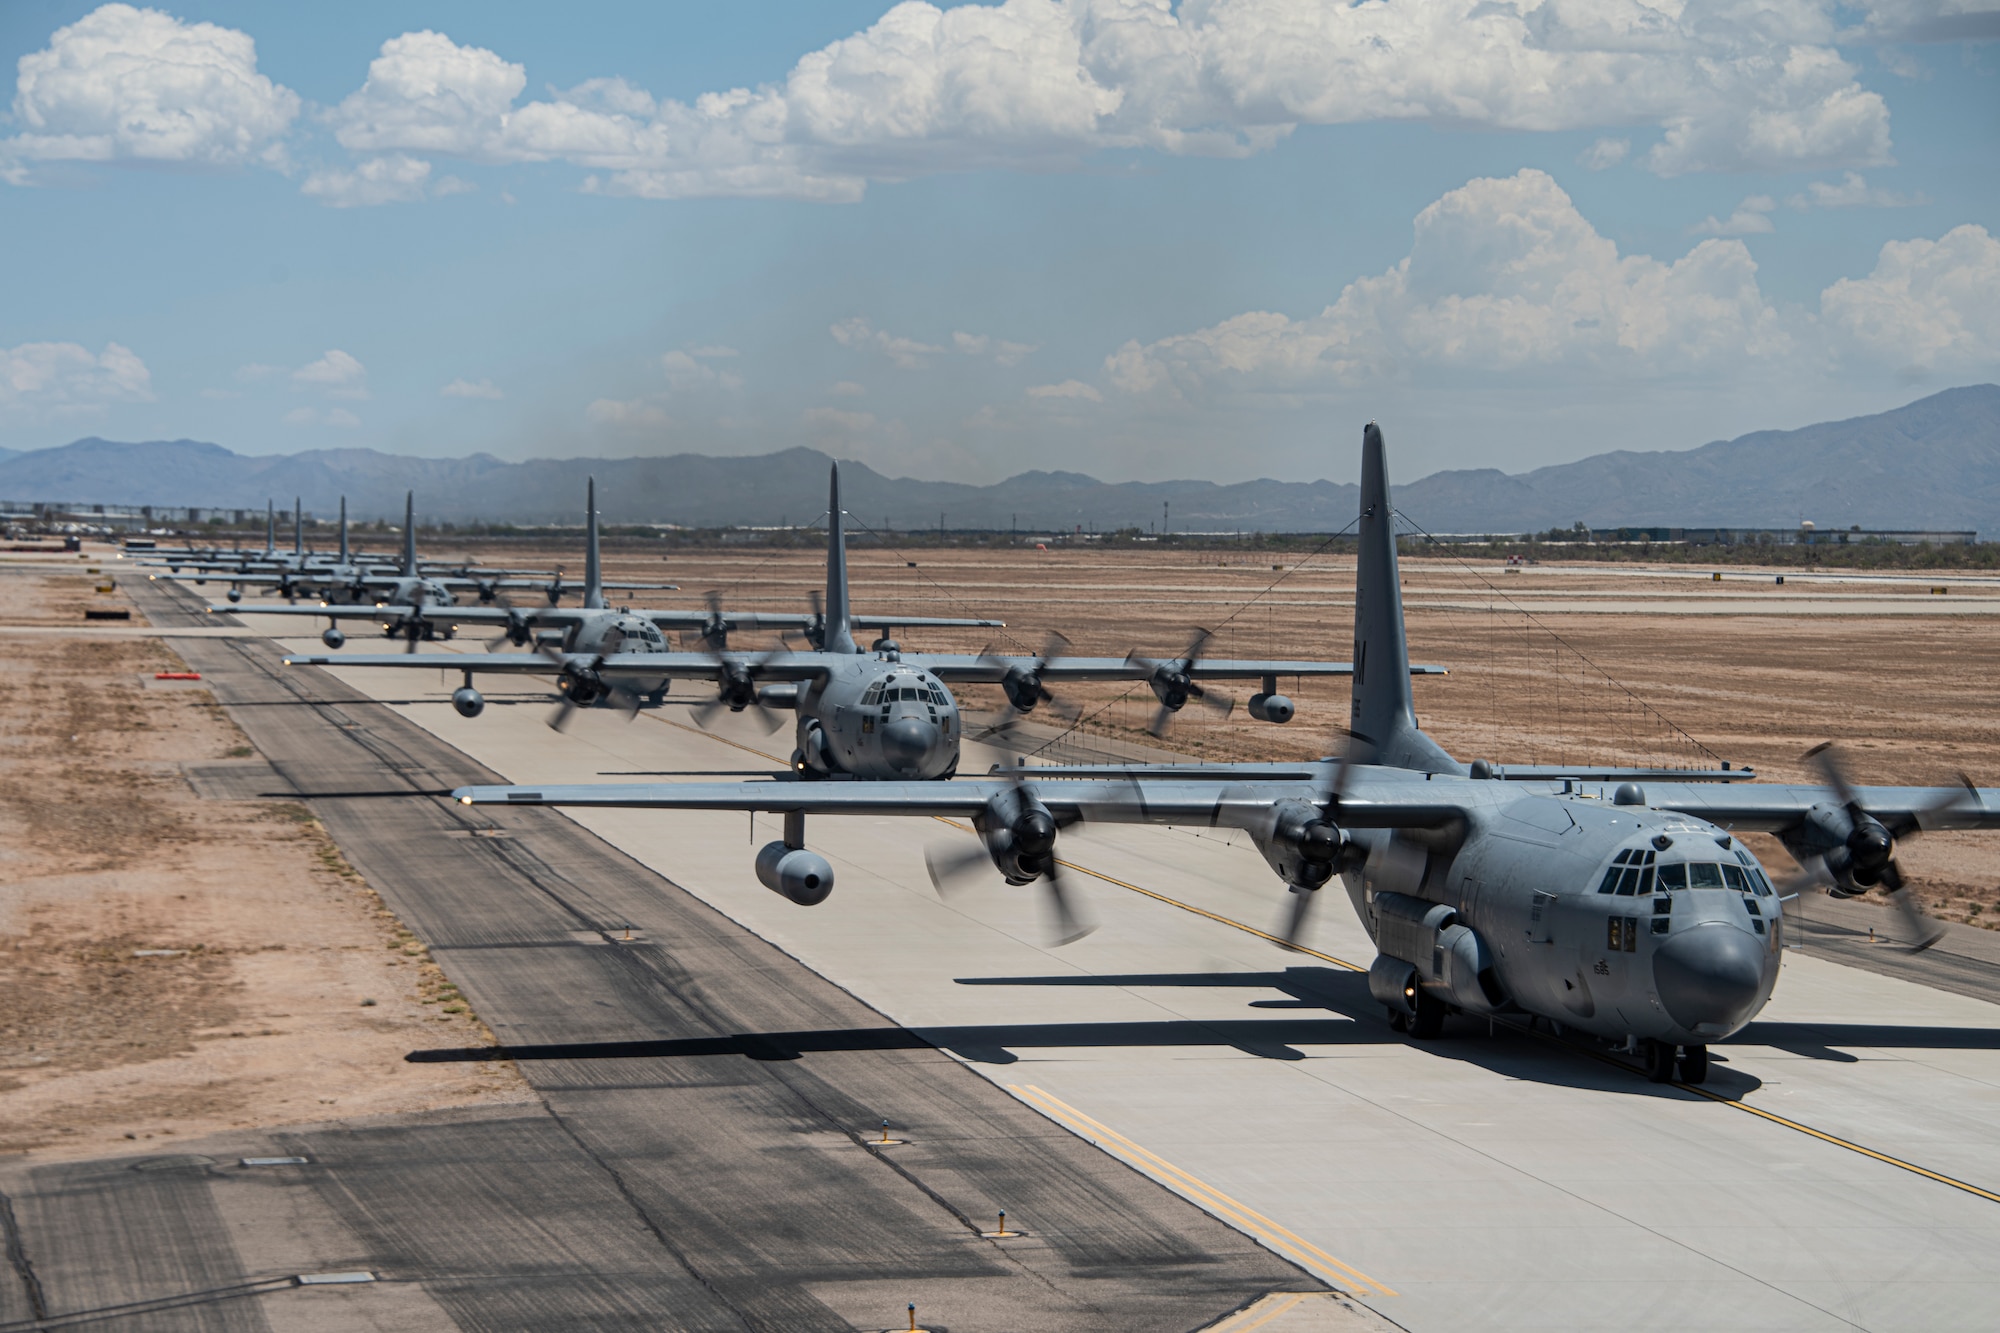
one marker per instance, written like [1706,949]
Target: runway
[1488,1180]
[721,1189]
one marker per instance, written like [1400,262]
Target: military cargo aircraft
[1590,901]
[880,713]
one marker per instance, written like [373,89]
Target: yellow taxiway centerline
[1271,1233]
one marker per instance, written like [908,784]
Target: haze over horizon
[1105,236]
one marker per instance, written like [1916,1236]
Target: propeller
[1022,681]
[736,690]
[582,685]
[1173,683]
[1319,840]
[1020,830]
[1867,856]
[517,632]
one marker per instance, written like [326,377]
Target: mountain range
[1934,463]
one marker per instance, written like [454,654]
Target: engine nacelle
[1466,965]
[795,873]
[812,754]
[1272,708]
[1394,983]
[333,638]
[1301,845]
[1020,836]
[779,696]
[1022,688]
[468,701]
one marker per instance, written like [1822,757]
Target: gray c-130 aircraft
[875,714]
[1639,919]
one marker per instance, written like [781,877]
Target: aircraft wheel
[1694,1064]
[1659,1060]
[1428,1021]
[1399,1020]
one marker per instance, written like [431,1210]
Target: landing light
[465,800]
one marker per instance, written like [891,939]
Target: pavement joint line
[1272,1233]
[1716,1097]
[1234,1325]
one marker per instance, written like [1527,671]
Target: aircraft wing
[647,666]
[389,613]
[1205,804]
[1770,807]
[966,667]
[1317,771]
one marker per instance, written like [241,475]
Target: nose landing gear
[1662,1056]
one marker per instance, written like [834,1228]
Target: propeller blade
[1214,701]
[1162,718]
[1826,761]
[952,869]
[1924,930]
[1296,918]
[560,719]
[1070,924]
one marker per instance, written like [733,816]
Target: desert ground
[173,964]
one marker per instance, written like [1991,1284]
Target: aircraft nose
[905,742]
[1709,977]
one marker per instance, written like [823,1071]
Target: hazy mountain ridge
[1932,463]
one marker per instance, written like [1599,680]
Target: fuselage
[1617,920]
[875,716]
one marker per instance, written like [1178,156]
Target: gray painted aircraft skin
[1633,914]
[877,714]
[349,574]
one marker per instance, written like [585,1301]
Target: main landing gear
[1662,1056]
[1427,1020]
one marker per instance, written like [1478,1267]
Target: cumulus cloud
[338,374]
[847,389]
[1002,351]
[138,85]
[834,421]
[1853,191]
[471,389]
[1604,154]
[1752,217]
[1041,84]
[1503,274]
[627,414]
[338,417]
[65,379]
[397,179]
[903,353]
[684,371]
[1067,389]
[1930,307]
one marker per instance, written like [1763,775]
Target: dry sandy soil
[171,965]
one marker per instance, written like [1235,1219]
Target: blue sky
[1116,237]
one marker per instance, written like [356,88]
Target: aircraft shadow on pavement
[1826,1041]
[1508,1049]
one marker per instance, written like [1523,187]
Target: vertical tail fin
[343,529]
[839,636]
[593,576]
[270,527]
[1382,711]
[409,534]
[298,526]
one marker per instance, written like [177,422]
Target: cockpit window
[1704,875]
[1733,876]
[874,694]
[1673,877]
